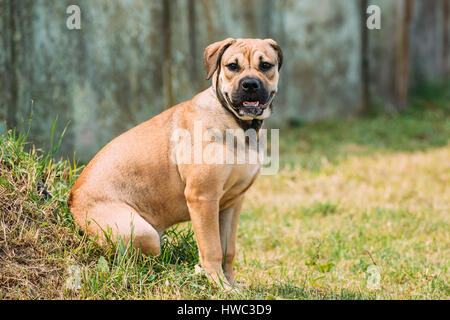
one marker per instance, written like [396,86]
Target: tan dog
[136,187]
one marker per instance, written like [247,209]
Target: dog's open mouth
[251,107]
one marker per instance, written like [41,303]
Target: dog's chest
[238,183]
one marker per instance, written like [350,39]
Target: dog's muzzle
[250,108]
[250,99]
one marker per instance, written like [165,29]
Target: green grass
[359,210]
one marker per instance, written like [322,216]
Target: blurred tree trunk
[11,17]
[365,98]
[402,53]
[445,4]
[193,44]
[167,52]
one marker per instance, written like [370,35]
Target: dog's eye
[265,66]
[232,66]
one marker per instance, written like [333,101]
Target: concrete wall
[134,58]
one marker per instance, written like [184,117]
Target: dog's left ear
[278,50]
[213,54]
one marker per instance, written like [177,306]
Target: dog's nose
[250,84]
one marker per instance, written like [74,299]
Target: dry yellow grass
[404,180]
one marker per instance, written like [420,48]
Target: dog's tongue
[251,103]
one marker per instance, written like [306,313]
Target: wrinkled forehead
[250,50]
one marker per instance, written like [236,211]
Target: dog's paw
[198,269]
[220,281]
[217,279]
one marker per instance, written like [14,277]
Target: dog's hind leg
[114,221]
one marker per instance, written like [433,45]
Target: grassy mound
[44,255]
[36,240]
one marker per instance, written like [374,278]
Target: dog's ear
[213,54]
[277,48]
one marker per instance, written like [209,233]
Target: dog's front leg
[205,221]
[228,223]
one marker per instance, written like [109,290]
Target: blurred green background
[133,59]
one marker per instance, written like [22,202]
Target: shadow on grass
[284,290]
[178,246]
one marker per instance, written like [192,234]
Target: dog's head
[245,75]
